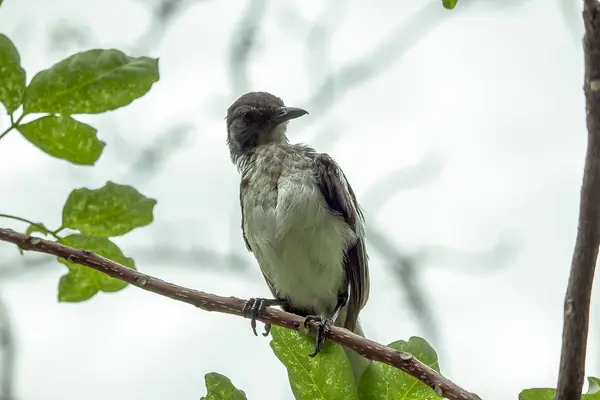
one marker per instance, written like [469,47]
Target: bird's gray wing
[341,199]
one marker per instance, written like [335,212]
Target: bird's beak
[287,113]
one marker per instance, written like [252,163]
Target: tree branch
[231,305]
[579,289]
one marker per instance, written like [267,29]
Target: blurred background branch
[163,14]
[7,355]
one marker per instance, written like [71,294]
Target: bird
[300,219]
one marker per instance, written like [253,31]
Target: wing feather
[341,199]
[242,185]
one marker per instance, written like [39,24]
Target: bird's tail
[359,363]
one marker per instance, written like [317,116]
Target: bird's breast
[298,242]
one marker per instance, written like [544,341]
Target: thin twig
[579,289]
[13,125]
[231,305]
[39,226]
[10,128]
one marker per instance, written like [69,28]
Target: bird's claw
[253,309]
[323,326]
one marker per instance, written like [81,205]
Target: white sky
[494,91]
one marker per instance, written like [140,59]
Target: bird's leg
[324,323]
[254,308]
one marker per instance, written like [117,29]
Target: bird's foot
[254,308]
[323,326]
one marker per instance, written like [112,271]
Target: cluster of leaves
[112,210]
[593,392]
[329,376]
[90,82]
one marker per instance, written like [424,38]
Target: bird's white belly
[299,245]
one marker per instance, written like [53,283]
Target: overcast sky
[488,97]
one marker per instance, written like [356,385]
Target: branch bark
[231,305]
[579,289]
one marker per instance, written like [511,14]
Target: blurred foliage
[69,36]
[593,392]
[219,387]
[449,4]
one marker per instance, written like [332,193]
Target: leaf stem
[13,124]
[43,228]
[10,128]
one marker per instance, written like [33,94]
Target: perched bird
[300,219]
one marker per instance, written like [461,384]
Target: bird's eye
[248,116]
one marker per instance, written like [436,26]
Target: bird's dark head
[257,118]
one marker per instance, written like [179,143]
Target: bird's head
[257,118]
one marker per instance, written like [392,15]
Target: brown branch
[579,289]
[231,305]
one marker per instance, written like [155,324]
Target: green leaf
[39,228]
[33,228]
[91,82]
[449,4]
[381,381]
[12,75]
[326,376]
[537,394]
[219,387]
[81,283]
[65,138]
[593,385]
[112,210]
[593,392]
